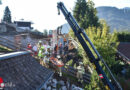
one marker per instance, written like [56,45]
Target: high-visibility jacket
[41,51]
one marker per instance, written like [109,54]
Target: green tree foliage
[100,36]
[85,14]
[95,84]
[7,15]
[105,43]
[124,36]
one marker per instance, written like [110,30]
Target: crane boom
[81,35]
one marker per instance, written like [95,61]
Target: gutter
[42,85]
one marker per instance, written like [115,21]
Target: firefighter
[46,60]
[61,49]
[80,72]
[55,50]
[29,47]
[41,51]
[35,49]
[46,57]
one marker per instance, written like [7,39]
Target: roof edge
[14,54]
[41,86]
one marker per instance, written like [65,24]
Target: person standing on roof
[61,49]
[29,47]
[45,46]
[48,49]
[65,49]
[80,72]
[55,50]
[35,49]
[41,51]
[46,58]
[72,54]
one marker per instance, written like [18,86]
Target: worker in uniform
[55,50]
[65,49]
[35,49]
[60,49]
[46,60]
[41,51]
[48,49]
[46,57]
[72,54]
[80,72]
[29,47]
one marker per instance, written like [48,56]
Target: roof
[124,48]
[23,21]
[23,71]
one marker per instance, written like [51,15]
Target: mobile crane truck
[82,38]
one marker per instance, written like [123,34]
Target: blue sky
[43,13]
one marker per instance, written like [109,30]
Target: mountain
[128,8]
[118,19]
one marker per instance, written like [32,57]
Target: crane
[82,38]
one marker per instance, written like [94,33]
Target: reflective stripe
[100,75]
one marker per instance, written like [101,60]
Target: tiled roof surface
[24,72]
[124,48]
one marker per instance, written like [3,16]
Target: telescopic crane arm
[81,35]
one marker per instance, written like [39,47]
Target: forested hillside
[118,19]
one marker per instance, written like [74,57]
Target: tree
[85,14]
[124,36]
[105,43]
[7,15]
[99,34]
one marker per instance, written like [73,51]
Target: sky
[44,14]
